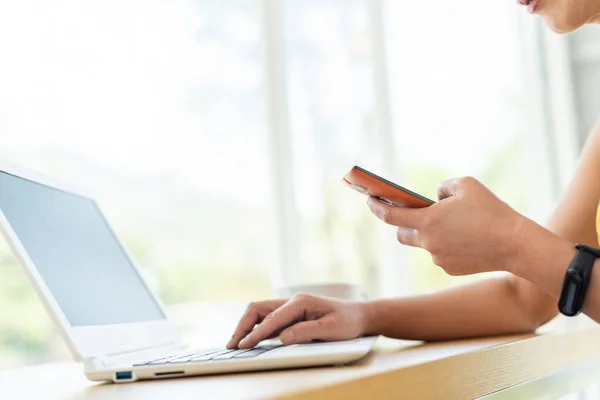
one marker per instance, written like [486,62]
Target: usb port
[123,375]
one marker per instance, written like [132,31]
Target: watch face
[571,296]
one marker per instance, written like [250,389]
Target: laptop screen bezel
[96,341]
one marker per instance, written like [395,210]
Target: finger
[397,216]
[250,318]
[408,236]
[304,332]
[254,314]
[275,334]
[284,316]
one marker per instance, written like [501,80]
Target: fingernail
[229,344]
[288,337]
[242,344]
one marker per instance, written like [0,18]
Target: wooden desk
[395,369]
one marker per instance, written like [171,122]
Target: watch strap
[577,280]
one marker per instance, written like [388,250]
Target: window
[330,98]
[159,109]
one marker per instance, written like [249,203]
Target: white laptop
[108,316]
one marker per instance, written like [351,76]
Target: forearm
[543,256]
[488,307]
[512,304]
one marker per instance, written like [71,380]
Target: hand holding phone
[385,191]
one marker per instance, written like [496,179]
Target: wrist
[369,318]
[516,245]
[542,257]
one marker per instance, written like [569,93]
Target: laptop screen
[77,255]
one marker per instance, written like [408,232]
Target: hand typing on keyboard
[301,319]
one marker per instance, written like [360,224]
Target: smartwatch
[577,280]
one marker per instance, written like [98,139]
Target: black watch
[577,280]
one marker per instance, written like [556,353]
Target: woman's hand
[301,319]
[468,231]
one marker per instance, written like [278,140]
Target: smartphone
[385,191]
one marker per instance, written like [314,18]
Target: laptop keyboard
[210,355]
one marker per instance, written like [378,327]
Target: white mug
[345,291]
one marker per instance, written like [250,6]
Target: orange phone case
[388,192]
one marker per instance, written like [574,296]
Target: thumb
[448,188]
[304,332]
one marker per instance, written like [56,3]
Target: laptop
[108,316]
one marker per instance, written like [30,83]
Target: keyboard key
[159,362]
[228,356]
[208,357]
[182,360]
[251,353]
[149,361]
[269,347]
[187,358]
[162,360]
[141,364]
